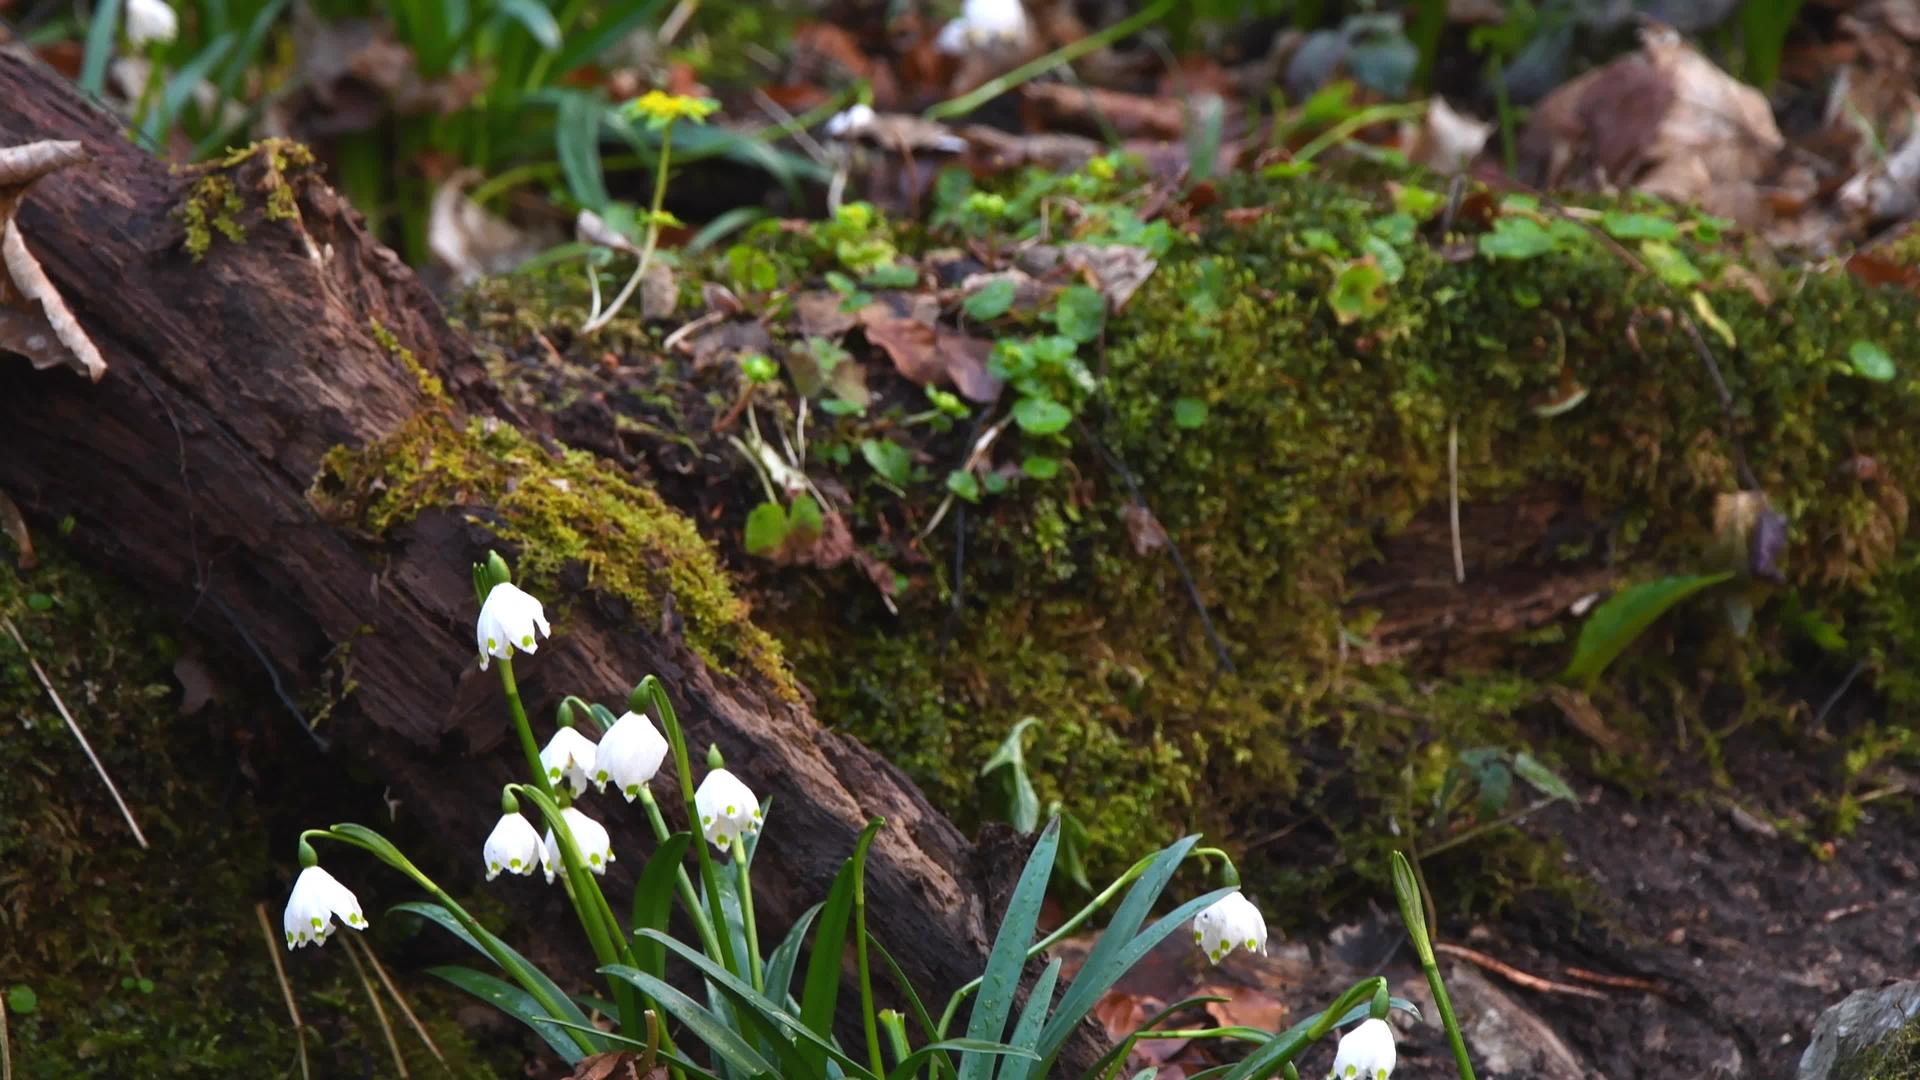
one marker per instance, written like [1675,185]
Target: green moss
[1895,1059]
[559,511]
[1324,442]
[214,202]
[152,962]
[430,384]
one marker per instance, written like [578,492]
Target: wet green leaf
[1870,361]
[1621,620]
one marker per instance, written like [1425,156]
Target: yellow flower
[662,109]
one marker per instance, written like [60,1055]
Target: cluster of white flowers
[1365,1053]
[628,757]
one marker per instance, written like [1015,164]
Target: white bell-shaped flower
[595,846]
[994,24]
[514,846]
[570,756]
[1230,923]
[727,808]
[629,755]
[151,20]
[317,897]
[507,622]
[1366,1052]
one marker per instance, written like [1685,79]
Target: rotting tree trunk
[187,469]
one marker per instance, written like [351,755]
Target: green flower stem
[1074,923]
[392,857]
[677,740]
[528,745]
[688,898]
[744,875]
[895,1026]
[1066,54]
[653,237]
[866,982]
[610,946]
[1245,1034]
[1413,914]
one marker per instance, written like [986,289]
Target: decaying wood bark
[186,470]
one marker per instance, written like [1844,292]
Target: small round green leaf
[1870,361]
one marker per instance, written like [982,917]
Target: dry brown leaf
[1117,270]
[927,354]
[591,228]
[15,526]
[1664,120]
[1245,1007]
[466,238]
[34,321]
[1143,529]
[1447,141]
[821,313]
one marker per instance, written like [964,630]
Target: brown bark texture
[186,470]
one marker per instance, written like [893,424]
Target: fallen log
[263,354]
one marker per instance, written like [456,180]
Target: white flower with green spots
[1366,1052]
[317,898]
[1230,923]
[727,808]
[514,847]
[151,20]
[508,621]
[595,846]
[569,756]
[629,755]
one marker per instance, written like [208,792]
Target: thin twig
[1623,982]
[1453,499]
[373,998]
[405,1010]
[1833,699]
[1705,352]
[1223,662]
[1514,974]
[273,673]
[74,726]
[286,988]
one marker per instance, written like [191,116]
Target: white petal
[727,808]
[513,846]
[569,755]
[589,836]
[1229,923]
[509,620]
[629,755]
[1366,1051]
[316,898]
[150,20]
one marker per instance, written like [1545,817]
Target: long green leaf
[535,18]
[641,1044]
[653,899]
[920,1014]
[576,140]
[179,88]
[1026,1030]
[975,1049]
[726,1044]
[101,32]
[615,22]
[1106,963]
[1615,624]
[522,970]
[820,993]
[772,1016]
[515,1002]
[994,999]
[785,958]
[1125,1046]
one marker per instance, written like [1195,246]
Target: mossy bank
[1290,398]
[118,961]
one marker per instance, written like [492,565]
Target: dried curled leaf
[34,321]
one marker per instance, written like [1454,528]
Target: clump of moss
[559,510]
[121,961]
[214,202]
[1323,440]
